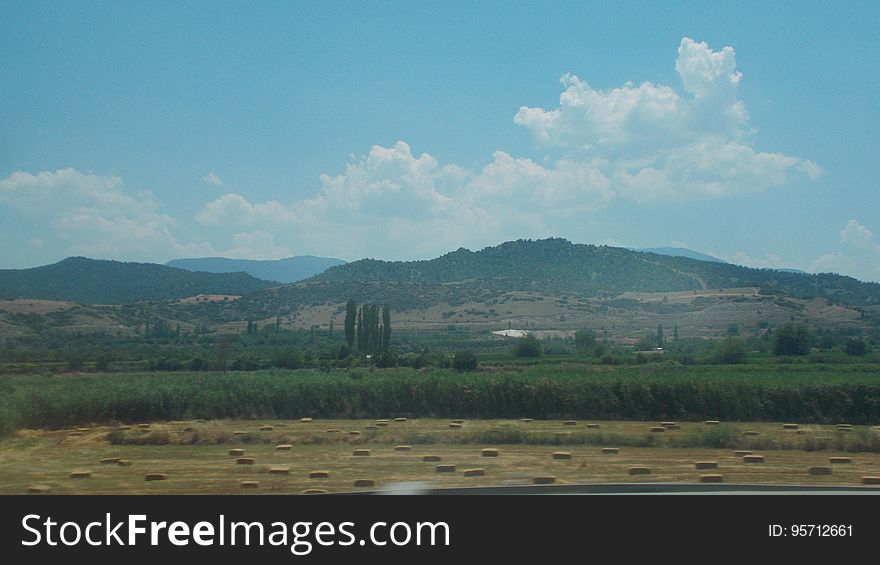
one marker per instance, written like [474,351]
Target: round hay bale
[711,422]
[741,452]
[753,459]
[526,420]
[844,425]
[319,475]
[431,458]
[639,470]
[402,448]
[144,426]
[569,423]
[458,421]
[593,426]
[819,470]
[544,480]
[155,477]
[380,425]
[667,424]
[400,420]
[790,426]
[124,463]
[845,430]
[37,489]
[871,480]
[488,452]
[657,430]
[314,491]
[279,470]
[445,468]
[236,452]
[244,461]
[250,484]
[610,450]
[751,433]
[84,429]
[561,455]
[239,433]
[109,460]
[673,427]
[364,483]
[283,447]
[333,431]
[711,478]
[81,475]
[383,420]
[305,420]
[361,453]
[454,425]
[836,460]
[706,464]
[354,433]
[474,472]
[266,428]
[74,433]
[123,428]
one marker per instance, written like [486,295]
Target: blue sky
[407,129]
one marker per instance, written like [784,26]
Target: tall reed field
[805,393]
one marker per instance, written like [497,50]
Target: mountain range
[291,269]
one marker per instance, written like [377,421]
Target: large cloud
[858,254]
[413,205]
[94,215]
[658,144]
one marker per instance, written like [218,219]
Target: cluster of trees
[365,334]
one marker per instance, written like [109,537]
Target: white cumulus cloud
[657,144]
[94,215]
[391,202]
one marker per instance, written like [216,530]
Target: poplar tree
[350,320]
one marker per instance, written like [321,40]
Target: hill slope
[548,267]
[291,269]
[94,281]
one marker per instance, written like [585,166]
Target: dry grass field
[194,457]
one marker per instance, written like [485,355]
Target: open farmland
[194,456]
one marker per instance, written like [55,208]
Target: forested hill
[559,266]
[112,282]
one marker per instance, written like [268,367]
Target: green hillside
[92,281]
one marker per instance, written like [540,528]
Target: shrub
[730,351]
[465,361]
[855,346]
[528,346]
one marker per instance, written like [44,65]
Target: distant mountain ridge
[681,252]
[95,281]
[289,270]
[551,266]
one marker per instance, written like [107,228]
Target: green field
[194,455]
[805,393]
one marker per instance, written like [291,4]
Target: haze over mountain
[681,252]
[291,269]
[96,281]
